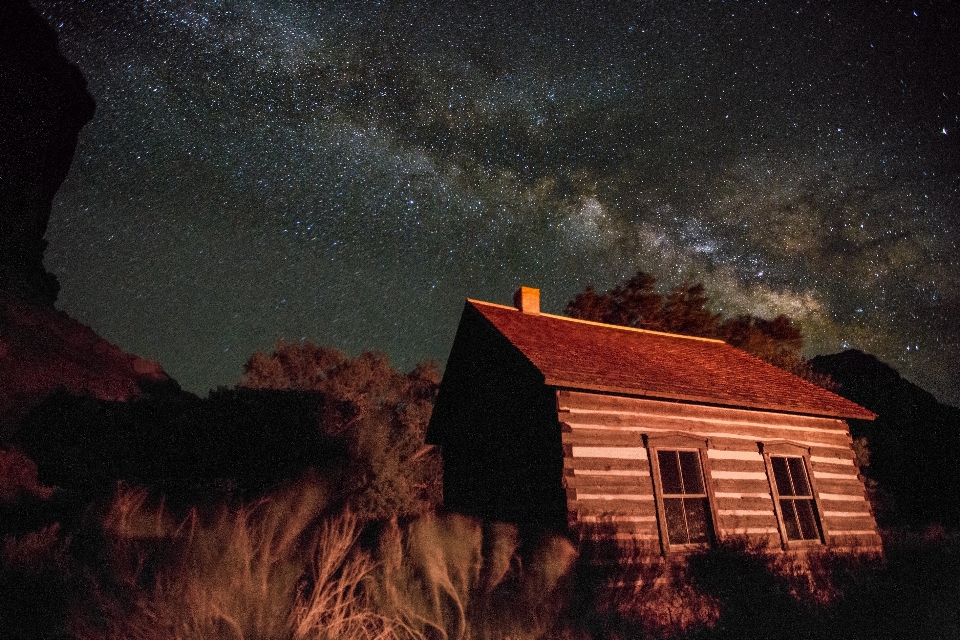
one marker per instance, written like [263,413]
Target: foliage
[739,590]
[18,477]
[378,413]
[34,566]
[754,586]
[627,589]
[449,577]
[685,310]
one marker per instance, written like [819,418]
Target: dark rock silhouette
[43,350]
[44,103]
[914,443]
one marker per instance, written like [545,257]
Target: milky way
[350,174]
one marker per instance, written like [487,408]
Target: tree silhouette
[377,412]
[685,310]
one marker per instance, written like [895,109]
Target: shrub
[625,589]
[35,584]
[377,413]
[18,478]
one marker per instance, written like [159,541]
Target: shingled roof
[578,354]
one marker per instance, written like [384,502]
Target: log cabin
[670,441]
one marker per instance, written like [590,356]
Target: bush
[18,478]
[377,413]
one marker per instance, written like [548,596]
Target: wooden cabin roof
[579,354]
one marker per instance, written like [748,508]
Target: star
[350,173]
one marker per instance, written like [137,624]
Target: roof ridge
[601,324]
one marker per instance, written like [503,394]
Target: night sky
[349,172]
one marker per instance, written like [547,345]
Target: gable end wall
[496,424]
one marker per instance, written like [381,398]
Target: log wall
[607,471]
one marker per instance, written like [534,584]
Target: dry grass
[277,569]
[282,568]
[261,571]
[445,577]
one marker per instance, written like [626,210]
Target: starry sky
[349,172]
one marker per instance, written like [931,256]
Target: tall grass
[284,568]
[278,568]
[445,577]
[266,570]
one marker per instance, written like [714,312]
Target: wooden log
[613,518]
[744,455]
[617,489]
[851,487]
[693,415]
[574,401]
[674,423]
[855,540]
[817,451]
[599,473]
[606,509]
[760,535]
[739,519]
[616,453]
[605,463]
[748,466]
[602,438]
[835,471]
[603,503]
[836,526]
[742,495]
[735,436]
[764,504]
[739,475]
[847,510]
[729,527]
[832,500]
[620,526]
[615,484]
[766,514]
[753,486]
[831,462]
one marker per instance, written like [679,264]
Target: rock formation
[914,443]
[44,103]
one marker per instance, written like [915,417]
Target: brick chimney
[527,300]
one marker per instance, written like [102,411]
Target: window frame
[680,442]
[787,449]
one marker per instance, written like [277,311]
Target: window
[686,507]
[793,493]
[797,508]
[680,480]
